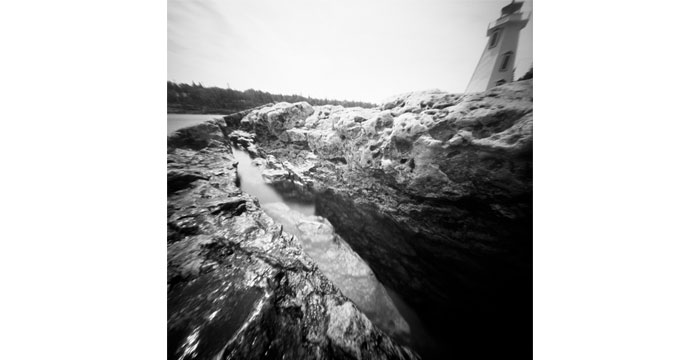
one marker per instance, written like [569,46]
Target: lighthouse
[496,64]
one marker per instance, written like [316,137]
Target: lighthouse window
[494,39]
[506,61]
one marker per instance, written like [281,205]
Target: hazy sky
[356,50]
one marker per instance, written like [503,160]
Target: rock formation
[340,264]
[433,190]
[238,286]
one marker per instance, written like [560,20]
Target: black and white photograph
[349,180]
[335,179]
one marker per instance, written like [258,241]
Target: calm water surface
[253,183]
[179,121]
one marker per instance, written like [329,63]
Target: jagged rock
[472,147]
[277,118]
[294,136]
[342,266]
[420,101]
[239,286]
[179,179]
[441,186]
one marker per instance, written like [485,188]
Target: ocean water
[179,121]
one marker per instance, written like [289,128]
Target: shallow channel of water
[296,212]
[252,183]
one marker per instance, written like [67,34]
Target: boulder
[274,120]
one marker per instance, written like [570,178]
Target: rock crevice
[434,190]
[239,286]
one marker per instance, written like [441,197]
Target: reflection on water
[179,121]
[374,237]
[344,267]
[335,258]
[253,183]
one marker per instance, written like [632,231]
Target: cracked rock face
[340,264]
[431,144]
[238,286]
[434,191]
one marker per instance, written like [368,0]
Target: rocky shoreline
[433,190]
[240,287]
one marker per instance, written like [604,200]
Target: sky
[364,50]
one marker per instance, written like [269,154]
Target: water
[179,121]
[335,258]
[296,209]
[446,312]
[252,183]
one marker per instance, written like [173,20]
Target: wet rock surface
[343,267]
[434,191]
[239,287]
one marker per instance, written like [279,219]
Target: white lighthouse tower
[496,63]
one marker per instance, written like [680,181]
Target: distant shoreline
[202,111]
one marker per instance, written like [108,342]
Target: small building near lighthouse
[496,64]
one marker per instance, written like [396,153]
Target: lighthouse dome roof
[511,8]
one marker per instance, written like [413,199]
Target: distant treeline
[197,99]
